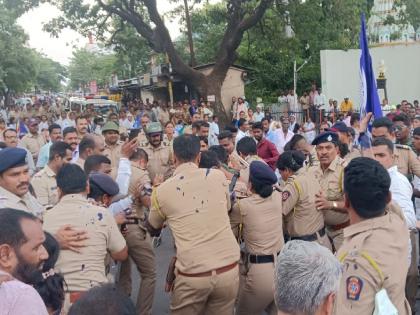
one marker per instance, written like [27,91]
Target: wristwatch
[335,206]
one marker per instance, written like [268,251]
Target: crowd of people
[322,211]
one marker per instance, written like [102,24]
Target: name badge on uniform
[354,288]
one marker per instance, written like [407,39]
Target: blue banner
[369,102]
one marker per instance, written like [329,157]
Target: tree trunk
[189,32]
[7,99]
[210,86]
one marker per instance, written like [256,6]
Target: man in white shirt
[214,131]
[320,100]
[22,253]
[243,127]
[402,191]
[258,115]
[282,135]
[293,103]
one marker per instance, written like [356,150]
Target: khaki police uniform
[260,222]
[406,160]
[408,164]
[331,182]
[142,139]
[354,153]
[26,203]
[235,160]
[163,116]
[303,221]
[33,144]
[86,269]
[45,186]
[195,202]
[374,256]
[160,160]
[312,158]
[244,172]
[139,249]
[168,142]
[113,152]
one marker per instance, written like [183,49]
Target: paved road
[163,255]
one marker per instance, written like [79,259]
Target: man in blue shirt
[44,153]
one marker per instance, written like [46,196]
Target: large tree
[17,61]
[143,15]
[49,73]
[290,30]
[86,66]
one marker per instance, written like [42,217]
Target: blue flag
[369,102]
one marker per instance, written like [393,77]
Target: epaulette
[402,146]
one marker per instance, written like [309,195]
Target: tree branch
[132,17]
[236,27]
[163,37]
[255,16]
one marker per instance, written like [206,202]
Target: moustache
[21,185]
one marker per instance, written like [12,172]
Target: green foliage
[208,25]
[132,51]
[17,62]
[269,52]
[49,73]
[22,68]
[409,12]
[87,66]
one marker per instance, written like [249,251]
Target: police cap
[339,127]
[110,126]
[262,173]
[105,182]
[12,157]
[154,127]
[326,137]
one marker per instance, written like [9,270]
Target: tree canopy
[144,17]
[22,68]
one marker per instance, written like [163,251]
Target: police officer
[329,174]
[141,137]
[404,157]
[302,220]
[89,145]
[259,220]
[14,182]
[299,143]
[195,204]
[344,137]
[226,140]
[44,183]
[138,240]
[85,269]
[247,150]
[374,244]
[160,155]
[111,134]
[33,141]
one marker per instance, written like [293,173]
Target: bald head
[90,145]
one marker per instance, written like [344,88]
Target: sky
[60,49]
